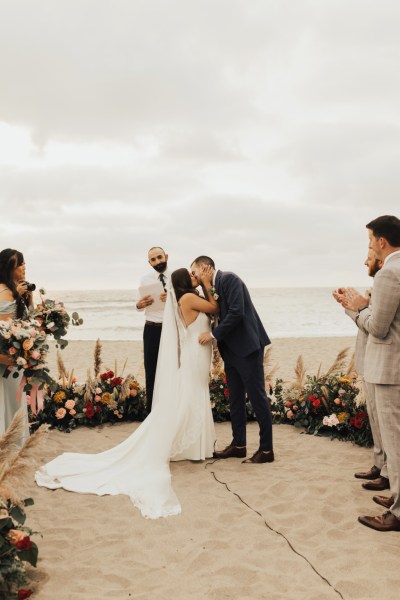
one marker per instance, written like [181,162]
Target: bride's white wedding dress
[179,427]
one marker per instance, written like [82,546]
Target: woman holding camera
[14,302]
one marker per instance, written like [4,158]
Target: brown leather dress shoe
[382,483]
[384,500]
[231,452]
[385,522]
[373,473]
[261,456]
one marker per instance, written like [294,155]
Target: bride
[180,425]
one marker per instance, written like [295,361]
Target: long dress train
[180,426]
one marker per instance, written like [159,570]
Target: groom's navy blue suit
[241,340]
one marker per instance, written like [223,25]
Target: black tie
[161,277]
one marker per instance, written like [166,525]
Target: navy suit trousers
[246,374]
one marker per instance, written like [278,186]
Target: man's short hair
[155,248]
[387,227]
[204,260]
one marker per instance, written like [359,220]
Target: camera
[31,287]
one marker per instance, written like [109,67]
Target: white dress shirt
[156,316]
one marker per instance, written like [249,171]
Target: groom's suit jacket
[382,322]
[239,329]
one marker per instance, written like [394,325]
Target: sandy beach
[282,531]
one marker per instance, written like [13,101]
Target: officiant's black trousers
[246,375]
[151,345]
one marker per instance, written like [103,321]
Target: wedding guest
[241,339]
[377,474]
[14,301]
[381,320]
[158,260]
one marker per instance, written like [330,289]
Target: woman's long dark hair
[182,283]
[9,260]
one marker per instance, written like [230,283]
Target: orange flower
[27,344]
[15,535]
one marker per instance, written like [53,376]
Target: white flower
[330,421]
[21,361]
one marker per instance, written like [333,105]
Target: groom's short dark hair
[387,227]
[204,260]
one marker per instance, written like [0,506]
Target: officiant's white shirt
[156,316]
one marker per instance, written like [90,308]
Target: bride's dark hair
[182,283]
[9,260]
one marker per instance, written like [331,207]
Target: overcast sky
[264,133]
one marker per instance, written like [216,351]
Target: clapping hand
[353,300]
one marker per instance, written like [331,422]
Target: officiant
[153,292]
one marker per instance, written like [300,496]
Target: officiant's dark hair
[182,283]
[9,260]
[204,260]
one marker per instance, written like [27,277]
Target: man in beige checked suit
[382,357]
[377,474]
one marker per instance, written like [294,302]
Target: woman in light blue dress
[14,299]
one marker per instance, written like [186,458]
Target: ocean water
[285,312]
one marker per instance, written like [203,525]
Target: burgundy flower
[25,543]
[226,392]
[116,381]
[24,593]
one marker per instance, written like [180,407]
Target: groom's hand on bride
[205,338]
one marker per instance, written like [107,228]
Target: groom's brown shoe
[382,483]
[261,456]
[231,452]
[373,473]
[385,522]
[384,500]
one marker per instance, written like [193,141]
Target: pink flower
[35,354]
[289,414]
[73,380]
[98,390]
[15,535]
[61,412]
[97,398]
[69,404]
[12,351]
[337,400]
[72,412]
[133,392]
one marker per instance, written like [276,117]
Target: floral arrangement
[324,404]
[16,545]
[25,343]
[106,398]
[54,319]
[16,548]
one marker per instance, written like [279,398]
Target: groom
[241,340]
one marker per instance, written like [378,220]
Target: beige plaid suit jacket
[382,322]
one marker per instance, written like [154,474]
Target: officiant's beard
[161,267]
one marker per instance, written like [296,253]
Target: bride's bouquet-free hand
[54,318]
